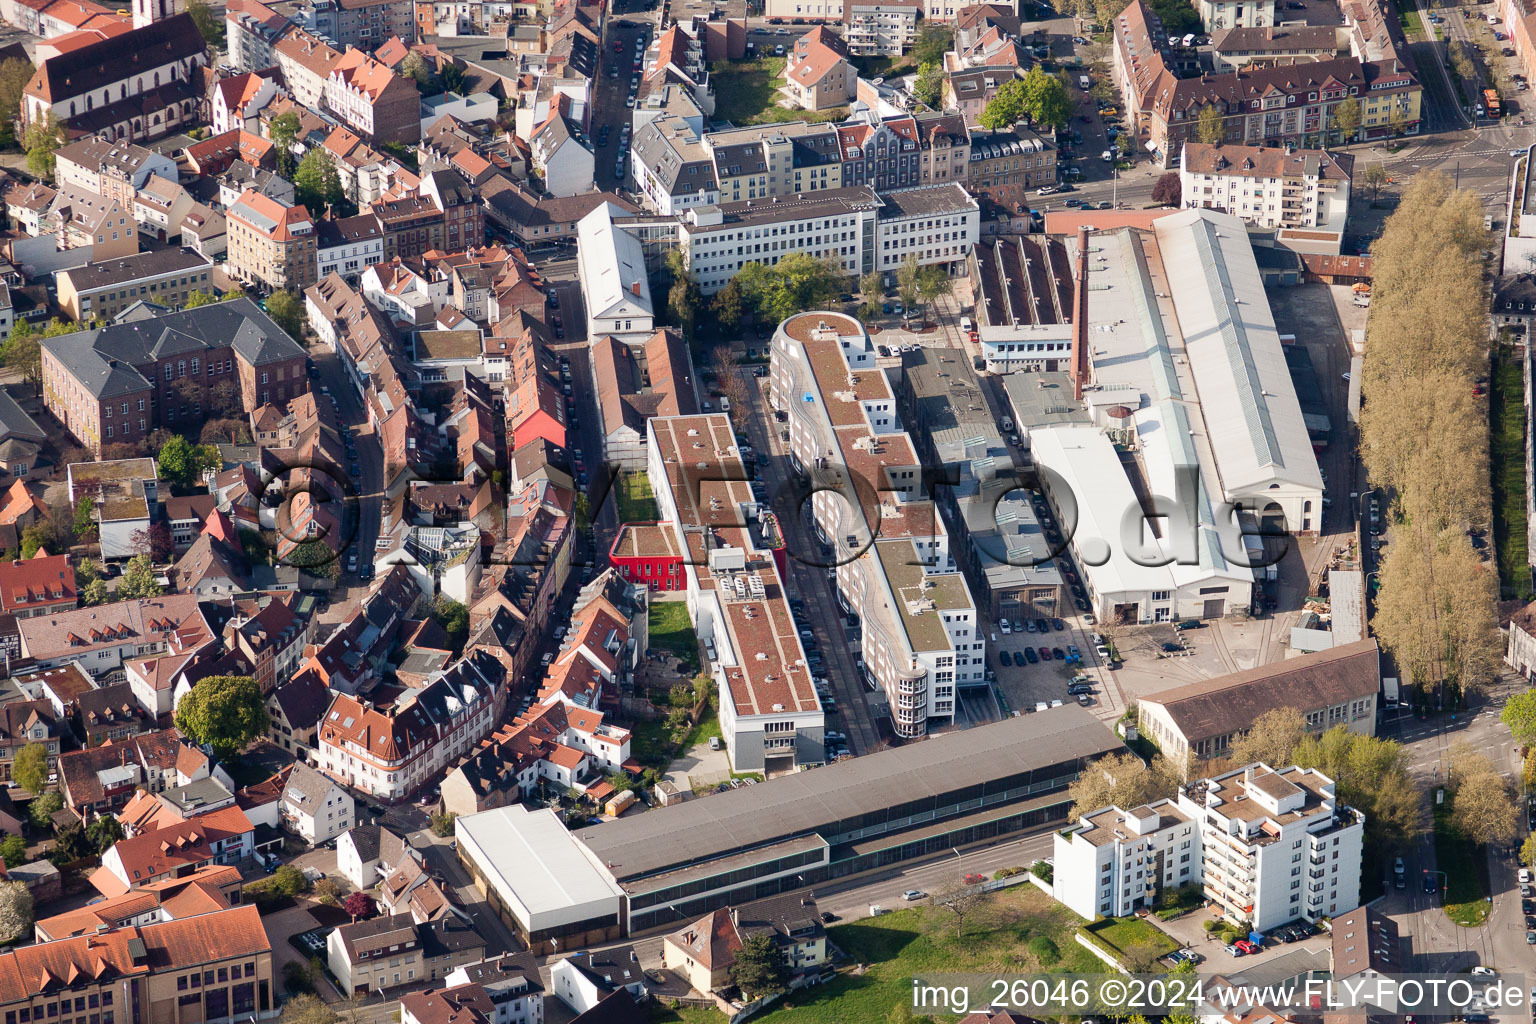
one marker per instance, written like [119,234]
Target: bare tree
[726,367]
[959,899]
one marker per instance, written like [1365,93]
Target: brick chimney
[1080,317]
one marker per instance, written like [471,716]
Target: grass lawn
[1131,935]
[872,67]
[636,503]
[1466,872]
[650,742]
[708,728]
[1412,23]
[746,92]
[1506,429]
[671,631]
[1004,935]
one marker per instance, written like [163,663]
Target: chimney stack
[1080,316]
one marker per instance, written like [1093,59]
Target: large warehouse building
[677,863]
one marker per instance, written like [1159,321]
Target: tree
[1345,119]
[453,78]
[728,306]
[442,824]
[929,84]
[960,899]
[70,845]
[328,891]
[85,518]
[317,183]
[799,281]
[13,850]
[42,809]
[96,592]
[283,131]
[1484,810]
[932,283]
[415,68]
[872,285]
[759,967]
[225,712]
[289,881]
[683,299]
[722,360]
[1168,191]
[15,73]
[906,281]
[225,431]
[104,831]
[22,352]
[182,462]
[305,1008]
[360,906]
[1375,179]
[34,538]
[315,557]
[1210,129]
[42,140]
[1123,780]
[138,579]
[29,770]
[1006,108]
[454,618]
[1371,774]
[157,541]
[932,42]
[1397,120]
[209,25]
[287,312]
[1271,739]
[1528,851]
[1046,101]
[15,911]
[1520,715]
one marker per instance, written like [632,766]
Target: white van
[1083,83]
[965,324]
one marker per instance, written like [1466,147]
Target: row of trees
[1424,435]
[1371,774]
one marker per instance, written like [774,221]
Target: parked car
[1004,658]
[1031,656]
[911,895]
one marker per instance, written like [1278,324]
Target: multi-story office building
[935,224]
[922,637]
[717,241]
[770,715]
[209,967]
[775,160]
[1268,846]
[105,288]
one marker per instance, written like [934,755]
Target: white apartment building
[1113,861]
[1275,188]
[770,715]
[1277,846]
[803,10]
[937,223]
[880,26]
[1268,847]
[717,241]
[895,570]
[1219,14]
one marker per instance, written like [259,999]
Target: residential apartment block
[104,288]
[375,102]
[922,636]
[1267,846]
[934,224]
[1006,165]
[1275,188]
[1219,14]
[362,23]
[271,243]
[882,27]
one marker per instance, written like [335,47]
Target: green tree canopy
[15,911]
[15,73]
[1520,715]
[29,769]
[181,462]
[13,850]
[209,25]
[1046,102]
[287,311]
[1346,118]
[728,307]
[933,40]
[42,808]
[42,140]
[929,84]
[759,967]
[103,831]
[138,579]
[1005,109]
[1211,128]
[799,281]
[225,712]
[317,183]
[284,134]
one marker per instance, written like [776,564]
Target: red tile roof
[39,580]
